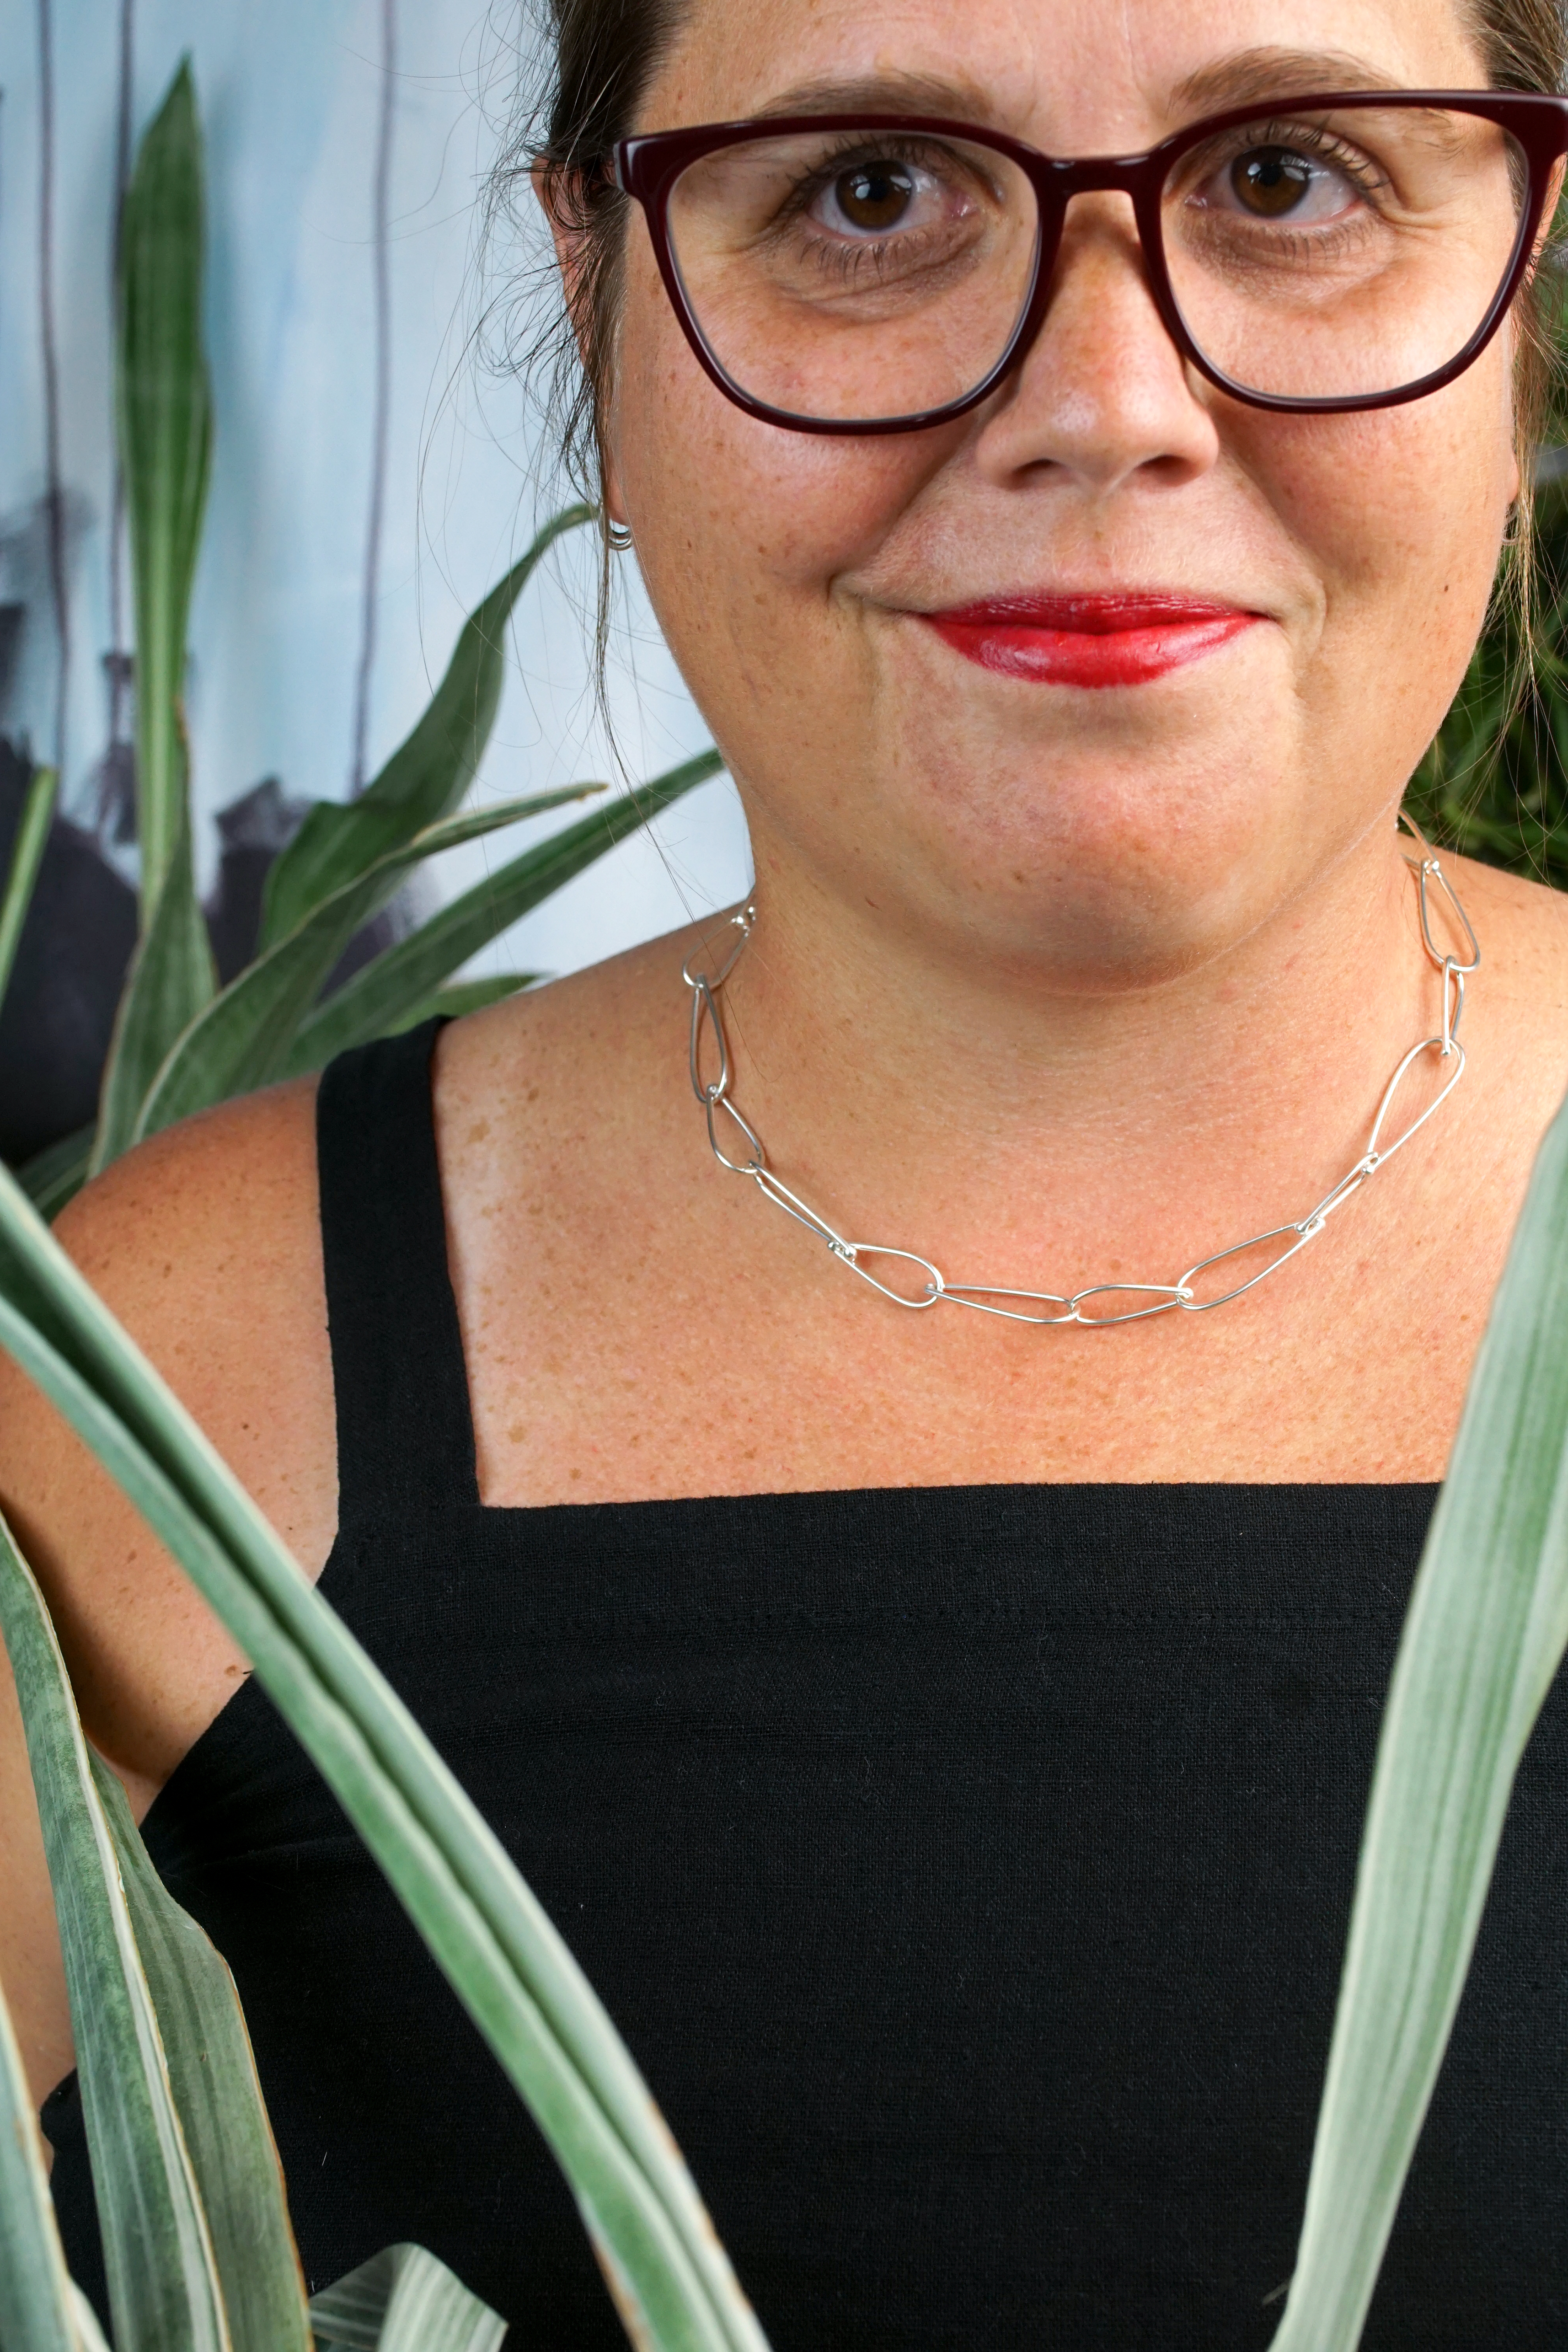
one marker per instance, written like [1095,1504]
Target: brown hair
[1522,41]
[1525,46]
[599,58]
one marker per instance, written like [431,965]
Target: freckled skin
[1051,985]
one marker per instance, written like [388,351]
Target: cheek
[1400,513]
[711,493]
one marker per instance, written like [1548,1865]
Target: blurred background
[372,478]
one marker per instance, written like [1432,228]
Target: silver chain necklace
[937,1290]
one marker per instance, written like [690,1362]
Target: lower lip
[1116,645]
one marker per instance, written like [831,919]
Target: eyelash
[891,150]
[855,258]
[1307,138]
[846,257]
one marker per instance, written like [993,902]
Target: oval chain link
[1167,1297]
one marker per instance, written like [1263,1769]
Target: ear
[560,193]
[1548,217]
[560,196]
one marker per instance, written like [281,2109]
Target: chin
[1125,862]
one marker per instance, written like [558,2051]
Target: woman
[942,1737]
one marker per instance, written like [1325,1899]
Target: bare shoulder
[1519,999]
[592,1053]
[597,1019]
[205,1243]
[571,1166]
[224,1200]
[1523,923]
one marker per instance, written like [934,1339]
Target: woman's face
[1101,837]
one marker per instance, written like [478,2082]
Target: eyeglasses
[880,273]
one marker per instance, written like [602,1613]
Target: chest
[750,1359]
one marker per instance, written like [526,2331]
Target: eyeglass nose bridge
[1057,181]
[1095,174]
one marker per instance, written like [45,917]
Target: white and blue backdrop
[370,477]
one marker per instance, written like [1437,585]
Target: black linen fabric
[967,1869]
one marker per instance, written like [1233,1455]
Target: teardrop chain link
[726,1125]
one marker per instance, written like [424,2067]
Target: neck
[1014,1121]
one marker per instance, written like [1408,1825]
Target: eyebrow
[959,99]
[1265,73]
[1257,73]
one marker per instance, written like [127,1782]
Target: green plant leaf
[170,984]
[165,412]
[463,997]
[426,776]
[383,993]
[163,2281]
[56,1174]
[404,2301]
[632,2314]
[1486,1631]
[461,1889]
[35,2290]
[165,447]
[211,2074]
[242,1039]
[90,2334]
[26,856]
[1494,784]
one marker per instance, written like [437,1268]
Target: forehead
[1075,76]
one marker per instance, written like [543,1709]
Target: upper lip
[1098,614]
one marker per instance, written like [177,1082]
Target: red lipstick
[1089,640]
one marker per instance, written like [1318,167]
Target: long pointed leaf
[385,992]
[90,2334]
[170,984]
[211,2074]
[1486,1631]
[463,997]
[242,1039]
[26,856]
[404,2301]
[162,2282]
[35,2289]
[626,2210]
[426,776]
[629,2305]
[465,1896]
[165,447]
[56,1174]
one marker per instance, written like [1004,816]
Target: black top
[967,1868]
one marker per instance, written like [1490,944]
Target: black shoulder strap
[405,1435]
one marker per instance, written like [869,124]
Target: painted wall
[320,596]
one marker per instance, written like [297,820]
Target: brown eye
[873,196]
[1272,181]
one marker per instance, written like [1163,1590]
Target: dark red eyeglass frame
[648,166]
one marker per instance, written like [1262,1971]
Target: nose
[1102,395]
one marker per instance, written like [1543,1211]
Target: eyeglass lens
[869,276]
